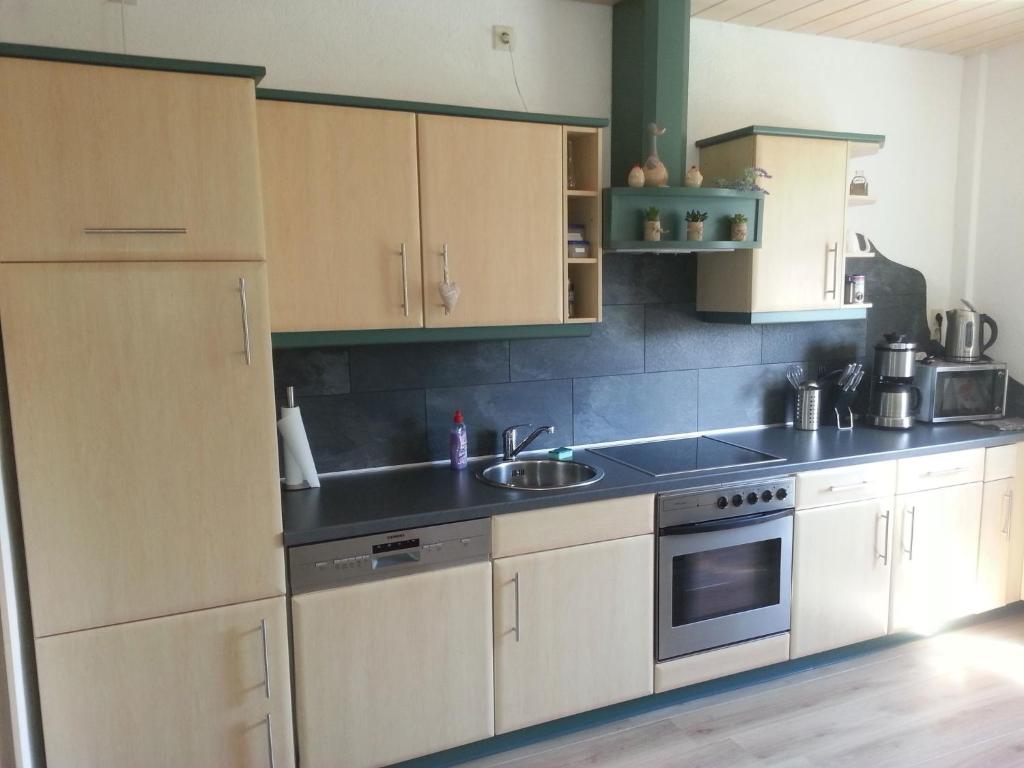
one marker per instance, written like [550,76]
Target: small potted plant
[695,224]
[738,227]
[652,224]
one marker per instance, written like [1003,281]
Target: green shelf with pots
[624,216]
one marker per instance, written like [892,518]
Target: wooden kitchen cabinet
[935,557]
[207,689]
[1002,535]
[394,668]
[573,630]
[144,439]
[491,197]
[170,158]
[341,205]
[842,563]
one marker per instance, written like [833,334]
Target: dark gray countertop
[358,504]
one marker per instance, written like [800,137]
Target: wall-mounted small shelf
[581,193]
[624,218]
[582,210]
[861,200]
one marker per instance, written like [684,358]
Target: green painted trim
[803,133]
[796,316]
[674,192]
[103,59]
[678,246]
[305,339]
[308,97]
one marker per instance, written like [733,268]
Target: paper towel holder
[293,468]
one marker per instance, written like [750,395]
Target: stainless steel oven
[725,564]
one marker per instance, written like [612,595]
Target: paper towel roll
[299,469]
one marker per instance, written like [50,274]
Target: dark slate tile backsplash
[652,368]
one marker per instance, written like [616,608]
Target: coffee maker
[894,397]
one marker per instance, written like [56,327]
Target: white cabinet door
[996,587]
[573,630]
[208,689]
[936,557]
[841,567]
[392,669]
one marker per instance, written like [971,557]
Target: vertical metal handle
[266,658]
[834,253]
[515,581]
[913,525]
[245,321]
[270,740]
[1008,522]
[444,257]
[405,282]
[884,556]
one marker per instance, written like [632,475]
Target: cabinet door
[936,557]
[841,569]
[800,265]
[573,630]
[492,192]
[996,586]
[99,148]
[392,669]
[145,444]
[340,202]
[209,688]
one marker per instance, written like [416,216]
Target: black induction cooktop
[684,455]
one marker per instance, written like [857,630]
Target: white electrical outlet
[502,38]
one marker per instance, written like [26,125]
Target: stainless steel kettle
[964,330]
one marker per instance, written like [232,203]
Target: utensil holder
[808,407]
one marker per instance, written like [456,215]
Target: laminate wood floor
[954,699]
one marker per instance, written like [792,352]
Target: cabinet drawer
[838,486]
[1000,462]
[557,527]
[939,470]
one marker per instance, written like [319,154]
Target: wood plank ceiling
[961,27]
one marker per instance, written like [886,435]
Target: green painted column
[650,74]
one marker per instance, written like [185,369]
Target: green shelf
[624,217]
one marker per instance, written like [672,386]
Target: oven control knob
[737,500]
[766,496]
[752,498]
[722,502]
[781,494]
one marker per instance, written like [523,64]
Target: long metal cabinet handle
[270,740]
[1008,523]
[913,526]
[850,487]
[266,658]
[944,472]
[834,253]
[515,581]
[245,321]
[444,258]
[884,556]
[135,231]
[405,282]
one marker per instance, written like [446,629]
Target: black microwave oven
[960,391]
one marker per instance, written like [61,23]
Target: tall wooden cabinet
[341,202]
[144,438]
[111,163]
[207,689]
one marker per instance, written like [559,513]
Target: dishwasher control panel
[346,561]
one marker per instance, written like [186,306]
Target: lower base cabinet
[1002,537]
[936,557]
[393,669]
[207,689]
[573,630]
[842,557]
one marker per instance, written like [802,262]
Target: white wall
[995,269]
[745,75]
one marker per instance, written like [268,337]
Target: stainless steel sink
[540,474]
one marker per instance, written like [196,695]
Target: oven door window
[720,582]
[970,393]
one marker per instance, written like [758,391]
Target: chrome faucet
[509,436]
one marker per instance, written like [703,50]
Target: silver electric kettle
[964,343]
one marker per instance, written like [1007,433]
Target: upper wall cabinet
[103,163]
[491,200]
[341,206]
[798,273]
